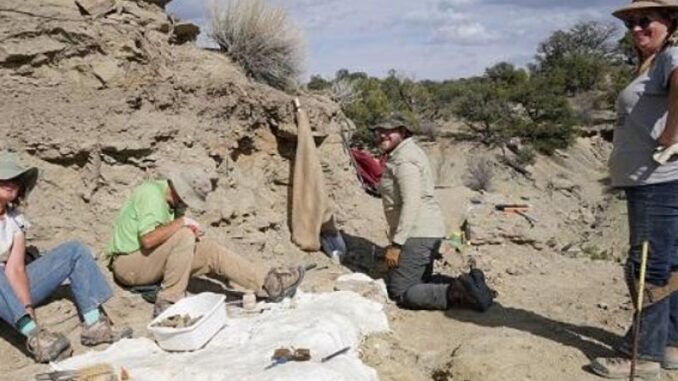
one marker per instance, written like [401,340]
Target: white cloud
[434,39]
[444,5]
[465,33]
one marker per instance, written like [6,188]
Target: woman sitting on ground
[22,286]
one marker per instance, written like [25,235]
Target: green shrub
[580,56]
[525,156]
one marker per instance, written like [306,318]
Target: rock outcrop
[99,94]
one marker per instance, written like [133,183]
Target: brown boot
[282,282]
[670,358]
[620,368]
[103,332]
[46,346]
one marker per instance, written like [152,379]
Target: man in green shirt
[153,241]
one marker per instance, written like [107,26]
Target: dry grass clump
[479,173]
[261,38]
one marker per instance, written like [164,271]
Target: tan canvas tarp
[310,206]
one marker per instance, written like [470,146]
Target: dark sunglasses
[642,22]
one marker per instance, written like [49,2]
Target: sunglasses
[642,22]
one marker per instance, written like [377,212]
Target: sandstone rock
[363,285]
[18,51]
[105,70]
[95,7]
[185,32]
[160,3]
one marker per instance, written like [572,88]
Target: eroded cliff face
[100,94]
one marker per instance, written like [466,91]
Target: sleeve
[150,208]
[669,63]
[15,228]
[409,181]
[21,223]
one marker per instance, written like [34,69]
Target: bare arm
[161,234]
[670,134]
[16,272]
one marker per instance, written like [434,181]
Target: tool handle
[335,354]
[639,310]
[502,207]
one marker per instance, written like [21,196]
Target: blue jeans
[653,216]
[71,260]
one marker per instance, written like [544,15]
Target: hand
[192,224]
[663,154]
[392,256]
[666,141]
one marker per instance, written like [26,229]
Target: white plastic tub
[209,305]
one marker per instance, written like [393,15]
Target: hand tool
[639,309]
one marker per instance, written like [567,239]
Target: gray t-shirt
[641,118]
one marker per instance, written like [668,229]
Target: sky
[421,39]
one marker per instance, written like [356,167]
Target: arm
[154,226]
[161,234]
[670,134]
[16,272]
[409,183]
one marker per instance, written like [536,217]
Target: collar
[400,146]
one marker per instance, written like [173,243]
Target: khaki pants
[181,257]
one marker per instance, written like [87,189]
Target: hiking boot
[103,332]
[282,282]
[160,306]
[670,358]
[620,367]
[470,290]
[46,346]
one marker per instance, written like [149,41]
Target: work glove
[392,256]
[192,224]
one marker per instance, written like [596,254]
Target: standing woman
[647,112]
[22,287]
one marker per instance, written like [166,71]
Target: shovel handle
[639,309]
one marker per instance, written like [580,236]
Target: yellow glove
[392,256]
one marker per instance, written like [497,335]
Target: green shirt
[145,210]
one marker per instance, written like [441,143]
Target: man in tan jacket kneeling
[416,228]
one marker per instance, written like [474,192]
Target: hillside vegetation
[536,104]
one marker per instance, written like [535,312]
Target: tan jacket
[406,187]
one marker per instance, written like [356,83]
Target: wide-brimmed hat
[391,123]
[10,168]
[635,5]
[191,183]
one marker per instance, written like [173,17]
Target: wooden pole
[639,309]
